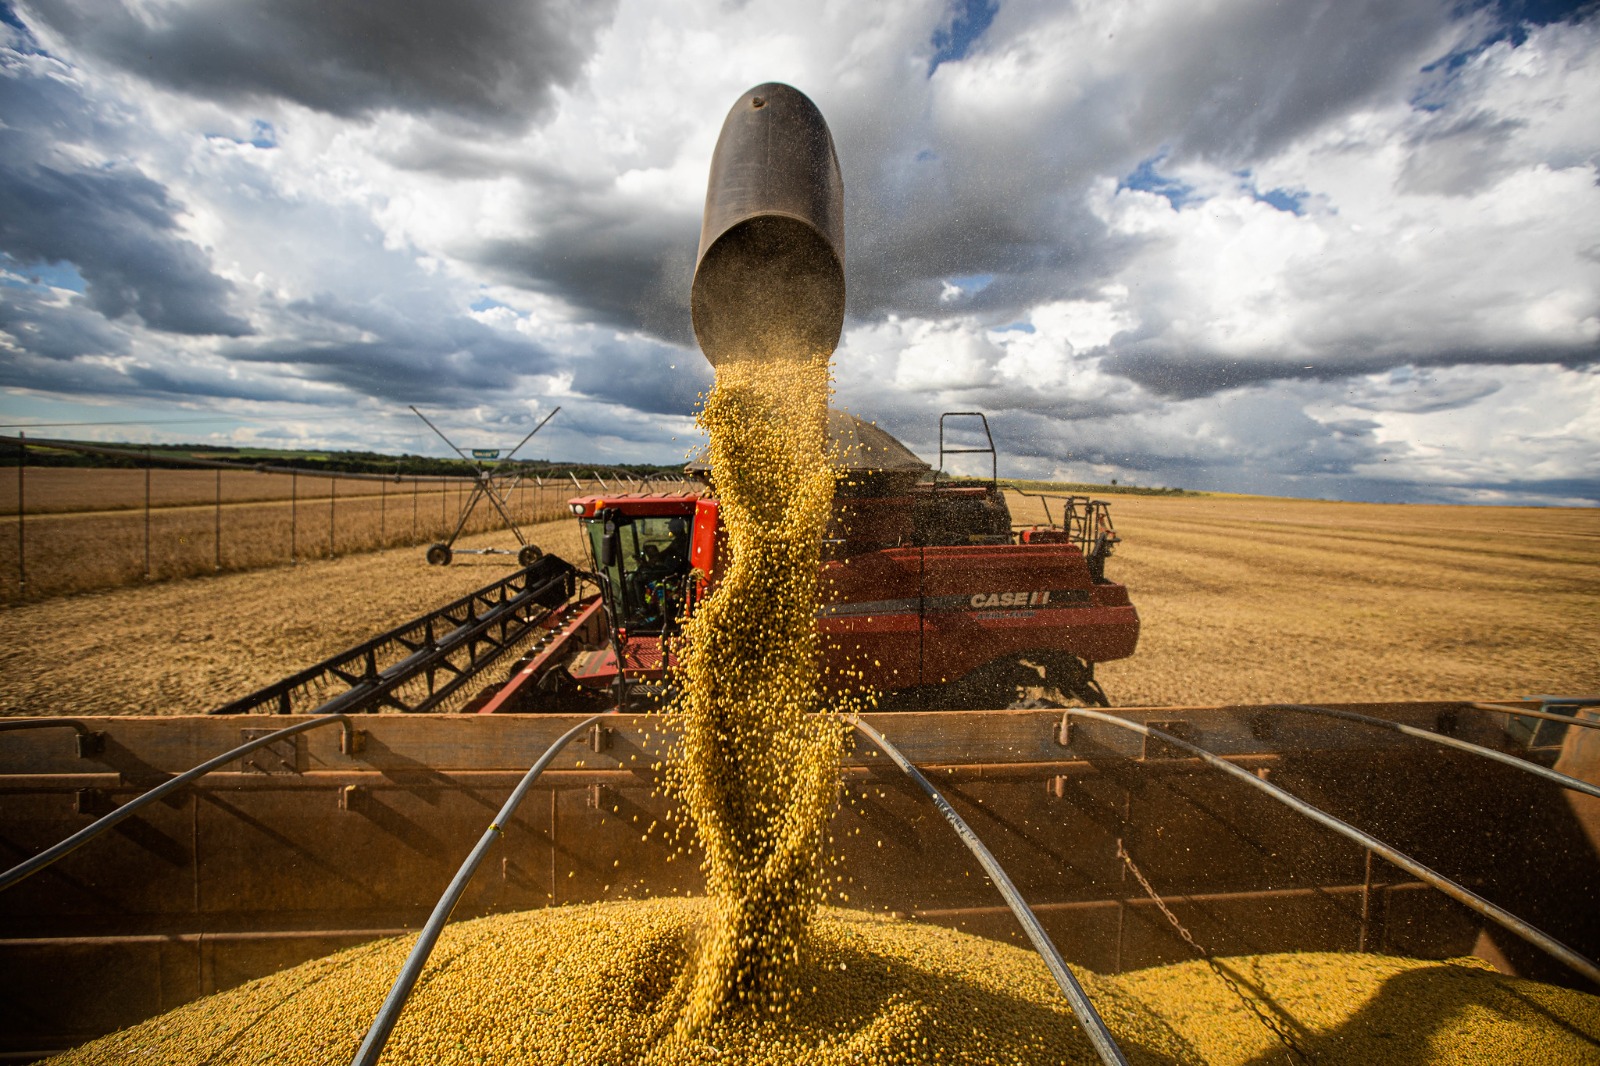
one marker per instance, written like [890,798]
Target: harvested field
[1251,599]
[86,528]
[1243,599]
[183,647]
[58,490]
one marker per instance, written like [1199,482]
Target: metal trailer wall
[307,850]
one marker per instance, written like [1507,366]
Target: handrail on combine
[1456,891]
[382,1025]
[1556,776]
[1084,519]
[89,832]
[1094,1028]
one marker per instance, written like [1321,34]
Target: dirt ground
[86,529]
[1250,599]
[186,646]
[1243,600]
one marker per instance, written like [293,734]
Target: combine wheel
[1068,678]
[1028,682]
[530,554]
[439,555]
[994,685]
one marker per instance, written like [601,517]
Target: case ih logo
[983,600]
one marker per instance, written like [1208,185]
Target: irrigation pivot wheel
[439,555]
[530,554]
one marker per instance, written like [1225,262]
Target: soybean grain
[600,984]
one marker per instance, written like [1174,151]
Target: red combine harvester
[930,597]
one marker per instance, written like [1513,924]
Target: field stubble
[1248,599]
[1243,600]
[85,529]
[183,647]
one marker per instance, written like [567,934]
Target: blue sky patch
[24,42]
[1147,178]
[262,135]
[61,275]
[1514,18]
[970,19]
[1283,199]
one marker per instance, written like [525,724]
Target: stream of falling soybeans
[755,770]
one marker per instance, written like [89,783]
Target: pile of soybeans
[591,985]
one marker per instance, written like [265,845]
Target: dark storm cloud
[652,378]
[395,351]
[1583,488]
[954,196]
[1187,373]
[1247,82]
[628,269]
[1190,374]
[114,224]
[491,61]
[1409,392]
[171,381]
[1036,251]
[934,194]
[54,330]
[1458,155]
[117,227]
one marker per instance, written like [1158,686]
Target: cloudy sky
[1344,249]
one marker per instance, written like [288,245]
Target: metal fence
[84,528]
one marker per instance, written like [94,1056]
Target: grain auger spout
[769,276]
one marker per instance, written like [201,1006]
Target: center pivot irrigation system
[1432,829]
[494,484]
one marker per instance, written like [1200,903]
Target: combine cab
[930,596]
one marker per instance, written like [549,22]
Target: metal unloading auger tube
[769,275]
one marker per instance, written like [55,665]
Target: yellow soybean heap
[584,986]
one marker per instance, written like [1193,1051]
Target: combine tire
[439,555]
[530,554]
[1055,678]
[1071,678]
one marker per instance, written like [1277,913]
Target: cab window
[647,578]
